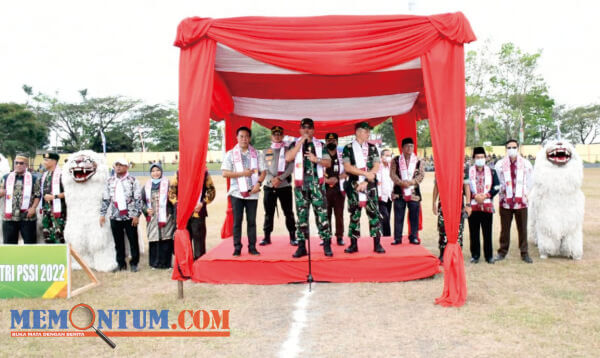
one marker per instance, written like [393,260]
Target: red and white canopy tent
[337,70]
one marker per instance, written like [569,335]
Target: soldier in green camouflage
[310,157]
[54,208]
[361,162]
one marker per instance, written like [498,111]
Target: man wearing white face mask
[515,176]
[385,186]
[484,186]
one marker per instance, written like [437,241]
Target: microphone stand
[309,277]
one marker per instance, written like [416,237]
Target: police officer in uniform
[334,191]
[278,186]
[310,158]
[361,162]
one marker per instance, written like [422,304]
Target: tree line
[506,98]
[503,89]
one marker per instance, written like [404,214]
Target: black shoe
[397,242]
[340,241]
[474,260]
[253,251]
[353,246]
[301,251]
[265,241]
[377,246]
[415,241]
[499,257]
[490,261]
[293,242]
[120,268]
[134,268]
[327,248]
[527,259]
[237,252]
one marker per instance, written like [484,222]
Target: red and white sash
[281,161]
[119,195]
[162,200]
[54,190]
[27,191]
[515,197]
[407,173]
[341,171]
[299,164]
[361,153]
[473,173]
[238,166]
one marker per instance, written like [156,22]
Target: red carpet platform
[275,264]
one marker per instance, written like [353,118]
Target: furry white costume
[556,202]
[4,169]
[84,176]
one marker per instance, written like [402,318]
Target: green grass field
[548,309]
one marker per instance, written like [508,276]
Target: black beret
[307,121]
[407,140]
[363,125]
[52,155]
[331,136]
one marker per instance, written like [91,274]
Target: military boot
[327,248]
[353,246]
[301,251]
[377,246]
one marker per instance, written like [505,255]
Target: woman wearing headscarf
[160,218]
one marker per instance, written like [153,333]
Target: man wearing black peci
[334,187]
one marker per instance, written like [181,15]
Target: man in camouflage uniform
[53,215]
[309,166]
[361,186]
[17,219]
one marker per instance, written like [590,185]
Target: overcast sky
[125,47]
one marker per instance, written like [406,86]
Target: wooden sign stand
[86,269]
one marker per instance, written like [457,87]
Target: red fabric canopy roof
[338,70]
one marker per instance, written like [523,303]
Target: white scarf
[361,153]
[281,161]
[382,173]
[487,172]
[238,166]
[299,164]
[517,196]
[407,173]
[27,191]
[162,200]
[120,201]
[54,190]
[341,171]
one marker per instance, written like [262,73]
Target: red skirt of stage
[275,264]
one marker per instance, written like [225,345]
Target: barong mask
[85,167]
[558,154]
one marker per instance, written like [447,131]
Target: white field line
[291,346]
